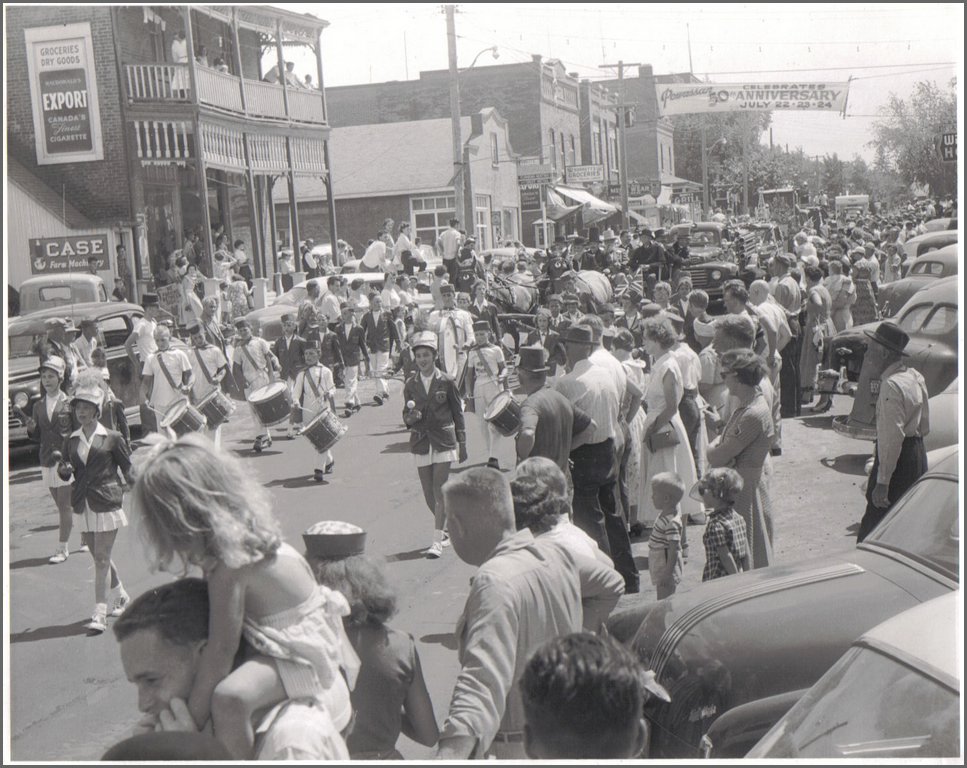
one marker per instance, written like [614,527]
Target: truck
[849,207]
[60,290]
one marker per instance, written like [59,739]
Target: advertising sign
[691,98]
[579,174]
[948,147]
[67,254]
[169,297]
[536,174]
[63,91]
[530,197]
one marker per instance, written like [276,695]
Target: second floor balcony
[171,84]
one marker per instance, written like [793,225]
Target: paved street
[68,696]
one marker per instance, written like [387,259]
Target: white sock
[101,609]
[438,536]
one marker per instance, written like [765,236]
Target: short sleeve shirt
[176,362]
[145,328]
[724,529]
[555,421]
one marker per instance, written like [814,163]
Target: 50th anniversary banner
[692,98]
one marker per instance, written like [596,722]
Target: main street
[69,699]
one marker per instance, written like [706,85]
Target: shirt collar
[100,429]
[519,540]
[891,369]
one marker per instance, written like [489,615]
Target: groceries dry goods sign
[63,91]
[681,99]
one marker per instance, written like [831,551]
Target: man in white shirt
[377,254]
[86,343]
[209,366]
[168,376]
[329,304]
[448,246]
[454,328]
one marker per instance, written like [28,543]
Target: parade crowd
[654,420]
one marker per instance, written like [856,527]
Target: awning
[592,209]
[637,217]
[556,207]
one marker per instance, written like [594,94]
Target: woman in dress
[485,380]
[744,446]
[817,331]
[842,293]
[621,348]
[666,447]
[865,309]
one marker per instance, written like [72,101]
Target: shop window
[431,216]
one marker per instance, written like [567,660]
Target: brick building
[549,121]
[167,142]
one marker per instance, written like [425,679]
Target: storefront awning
[556,207]
[593,209]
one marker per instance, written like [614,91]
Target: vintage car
[944,418]
[942,262]
[895,694]
[713,259]
[937,225]
[915,247]
[25,334]
[930,317]
[60,290]
[775,631]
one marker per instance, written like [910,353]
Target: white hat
[92,395]
[425,339]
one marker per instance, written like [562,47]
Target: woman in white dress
[662,397]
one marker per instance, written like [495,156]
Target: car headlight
[716,274]
[21,400]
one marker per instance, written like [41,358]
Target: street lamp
[705,156]
[492,49]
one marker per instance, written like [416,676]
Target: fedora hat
[608,234]
[890,335]
[594,236]
[578,334]
[334,540]
[533,359]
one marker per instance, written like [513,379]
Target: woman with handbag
[744,446]
[666,442]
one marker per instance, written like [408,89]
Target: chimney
[575,75]
[645,71]
[536,57]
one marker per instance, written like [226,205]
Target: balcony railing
[158,82]
[218,89]
[305,106]
[264,99]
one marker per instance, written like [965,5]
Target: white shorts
[435,456]
[51,479]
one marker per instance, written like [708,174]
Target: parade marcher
[200,505]
[390,694]
[448,246]
[548,338]
[468,267]
[454,328]
[57,343]
[725,539]
[817,332]
[486,378]
[352,348]
[524,592]
[744,446]
[595,465]
[434,414]
[209,367]
[97,455]
[481,309]
[112,411]
[167,377]
[313,391]
[288,350]
[902,421]
[583,698]
[254,367]
[50,424]
[161,637]
[379,332]
[788,295]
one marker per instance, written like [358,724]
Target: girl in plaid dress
[726,544]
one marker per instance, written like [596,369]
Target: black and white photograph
[483,381]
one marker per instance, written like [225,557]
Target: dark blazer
[290,355]
[379,336]
[441,424]
[552,343]
[330,355]
[488,313]
[636,327]
[353,346]
[52,435]
[97,482]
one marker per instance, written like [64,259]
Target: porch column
[327,178]
[202,183]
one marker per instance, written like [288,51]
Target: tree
[905,136]
[834,175]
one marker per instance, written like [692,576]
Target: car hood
[704,253]
[23,368]
[761,633]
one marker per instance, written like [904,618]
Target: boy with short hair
[314,391]
[665,543]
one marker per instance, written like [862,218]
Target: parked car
[930,317]
[62,289]
[773,631]
[944,418]
[895,694]
[942,262]
[937,225]
[915,247]
[25,334]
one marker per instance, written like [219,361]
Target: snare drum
[504,414]
[183,418]
[272,404]
[216,407]
[324,431]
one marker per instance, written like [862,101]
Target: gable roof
[384,159]
[46,196]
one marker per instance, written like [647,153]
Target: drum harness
[268,366]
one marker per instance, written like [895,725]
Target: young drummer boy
[313,392]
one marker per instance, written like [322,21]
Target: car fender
[733,734]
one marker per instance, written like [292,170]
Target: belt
[690,393]
[509,737]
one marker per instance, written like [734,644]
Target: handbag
[659,440]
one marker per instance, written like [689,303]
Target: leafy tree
[905,137]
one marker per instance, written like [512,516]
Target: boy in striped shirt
[664,544]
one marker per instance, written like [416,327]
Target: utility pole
[455,119]
[622,142]
[705,195]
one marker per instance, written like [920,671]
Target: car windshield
[293,296]
[932,319]
[701,238]
[925,525]
[934,268]
[24,345]
[868,705]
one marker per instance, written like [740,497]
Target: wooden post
[327,178]
[238,57]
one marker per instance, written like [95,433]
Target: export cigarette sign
[684,99]
[67,254]
[63,90]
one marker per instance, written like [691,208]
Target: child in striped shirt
[664,544]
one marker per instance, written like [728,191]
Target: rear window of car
[934,268]
[931,319]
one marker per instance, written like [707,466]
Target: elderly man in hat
[57,343]
[551,425]
[902,421]
[454,329]
[788,295]
[594,390]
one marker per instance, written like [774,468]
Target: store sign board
[63,92]
[948,147]
[536,174]
[692,98]
[580,174]
[67,254]
[530,197]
